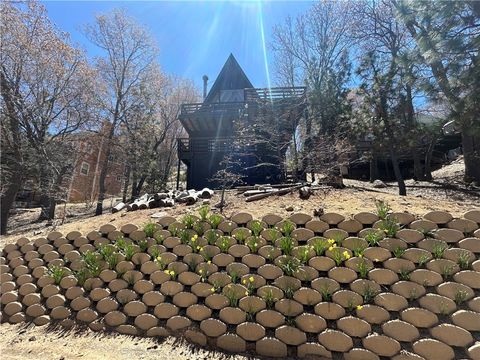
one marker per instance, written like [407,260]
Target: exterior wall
[91,153]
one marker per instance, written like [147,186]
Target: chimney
[205,81]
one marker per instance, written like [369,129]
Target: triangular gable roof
[231,77]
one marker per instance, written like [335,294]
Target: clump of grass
[129,251]
[211,236]
[188,220]
[234,276]
[339,256]
[287,228]
[368,294]
[81,276]
[363,268]
[290,321]
[241,235]
[447,272]
[320,245]
[253,244]
[383,209]
[231,295]
[256,227]
[389,226]
[224,244]
[160,262]
[273,235]
[460,296]
[358,250]
[326,293]
[289,265]
[199,228]
[158,237]
[57,273]
[373,237]
[215,220]
[149,229]
[143,245]
[173,274]
[203,274]
[289,291]
[251,313]
[113,260]
[422,260]
[248,282]
[404,274]
[304,254]
[203,212]
[92,263]
[184,236]
[463,260]
[438,250]
[286,245]
[398,252]
[269,298]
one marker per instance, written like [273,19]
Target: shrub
[149,229]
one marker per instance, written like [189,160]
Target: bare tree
[47,88]
[128,62]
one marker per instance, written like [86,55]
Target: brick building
[84,183]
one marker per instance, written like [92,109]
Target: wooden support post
[178,174]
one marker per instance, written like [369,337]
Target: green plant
[234,276]
[286,245]
[199,228]
[231,295]
[287,228]
[427,233]
[224,244]
[194,244]
[363,268]
[154,252]
[289,291]
[203,212]
[215,220]
[438,250]
[241,235]
[112,260]
[290,321]
[373,237]
[404,274]
[304,254]
[81,275]
[207,255]
[188,220]
[289,265]
[253,244]
[398,252]
[184,236]
[336,238]
[158,238]
[389,226]
[120,243]
[129,251]
[460,296]
[269,298]
[160,262]
[143,245]
[211,236]
[130,279]
[326,293]
[273,235]
[358,250]
[422,260]
[57,273]
[249,284]
[174,230]
[105,250]
[173,274]
[192,264]
[251,313]
[149,229]
[256,227]
[339,256]
[383,209]
[216,287]
[463,260]
[447,272]
[320,245]
[203,274]
[368,294]
[350,304]
[92,263]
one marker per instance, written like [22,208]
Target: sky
[194,37]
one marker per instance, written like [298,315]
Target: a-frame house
[212,127]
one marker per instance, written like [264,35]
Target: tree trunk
[428,159]
[45,193]
[471,156]
[8,198]
[417,166]
[127,182]
[402,190]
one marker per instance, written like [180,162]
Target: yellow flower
[330,241]
[359,307]
[172,273]
[209,261]
[360,255]
[159,258]
[244,281]
[166,272]
[198,248]
[330,248]
[195,236]
[212,289]
[251,279]
[246,293]
[193,239]
[200,271]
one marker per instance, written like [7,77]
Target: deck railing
[252,97]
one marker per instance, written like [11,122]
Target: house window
[84,168]
[232,95]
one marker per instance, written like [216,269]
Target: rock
[305,193]
[379,184]
[289,208]
[158,214]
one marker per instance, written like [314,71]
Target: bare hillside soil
[29,342]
